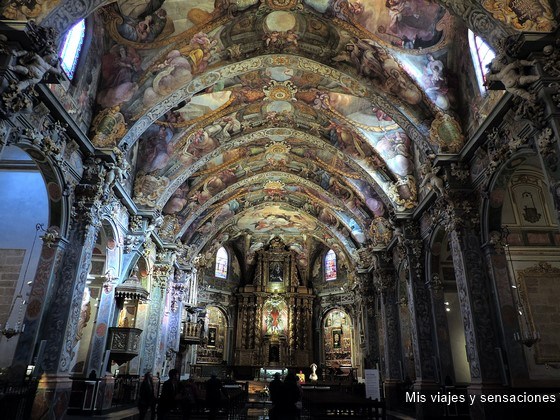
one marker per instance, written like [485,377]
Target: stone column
[544,114]
[474,294]
[62,321]
[385,284]
[443,344]
[105,314]
[422,323]
[153,324]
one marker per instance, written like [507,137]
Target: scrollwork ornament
[545,140]
[459,171]
[88,194]
[51,235]
[383,280]
[532,111]
[552,61]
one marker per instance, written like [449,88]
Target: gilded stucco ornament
[445,132]
[51,235]
[403,192]
[380,231]
[552,59]
[383,280]
[169,228]
[364,257]
[280,91]
[523,15]
[108,127]
[148,188]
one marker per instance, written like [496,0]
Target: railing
[191,333]
[126,390]
[16,401]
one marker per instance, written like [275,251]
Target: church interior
[346,189]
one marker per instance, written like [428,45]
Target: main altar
[274,317]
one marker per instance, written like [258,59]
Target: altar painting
[275,317]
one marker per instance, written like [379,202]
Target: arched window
[71,48]
[482,56]
[330,266]
[221,263]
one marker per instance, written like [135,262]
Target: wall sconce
[531,213]
[527,338]
[9,332]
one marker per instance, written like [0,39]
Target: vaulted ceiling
[300,119]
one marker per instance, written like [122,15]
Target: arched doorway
[23,188]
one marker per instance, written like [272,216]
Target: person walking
[147,398]
[275,390]
[289,403]
[168,397]
[213,396]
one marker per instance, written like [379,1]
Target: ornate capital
[88,194]
[364,257]
[455,212]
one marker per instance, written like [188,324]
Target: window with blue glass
[71,47]
[221,263]
[330,266]
[482,56]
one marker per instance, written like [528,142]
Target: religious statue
[313,376]
[512,76]
[431,180]
[33,67]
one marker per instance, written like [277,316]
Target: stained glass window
[221,263]
[482,56]
[71,47]
[330,266]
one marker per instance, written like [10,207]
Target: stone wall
[11,261]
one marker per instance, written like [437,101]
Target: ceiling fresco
[311,106]
[301,119]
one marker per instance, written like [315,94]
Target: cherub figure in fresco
[292,38]
[513,76]
[202,144]
[345,9]
[201,51]
[271,38]
[177,201]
